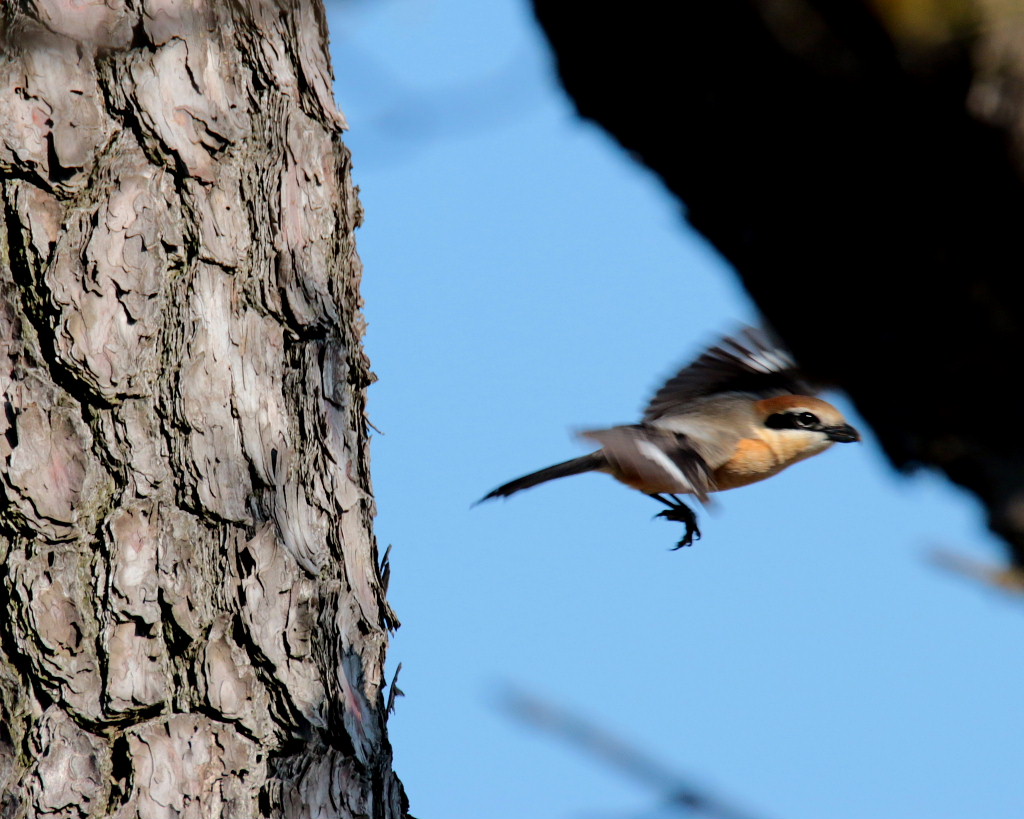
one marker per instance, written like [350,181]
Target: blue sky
[525,279]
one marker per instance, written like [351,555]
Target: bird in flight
[740,413]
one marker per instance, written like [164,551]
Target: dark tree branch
[863,174]
[673,788]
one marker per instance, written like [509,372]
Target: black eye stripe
[794,419]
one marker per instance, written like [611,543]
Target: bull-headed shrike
[740,413]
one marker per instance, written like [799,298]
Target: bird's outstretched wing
[751,361]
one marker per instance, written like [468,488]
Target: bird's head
[804,424]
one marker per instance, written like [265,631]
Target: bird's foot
[685,515]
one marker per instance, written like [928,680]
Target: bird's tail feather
[586,463]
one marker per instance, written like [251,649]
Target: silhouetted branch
[1009,580]
[675,789]
[860,164]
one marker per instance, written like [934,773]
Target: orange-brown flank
[752,461]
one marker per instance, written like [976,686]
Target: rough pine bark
[192,614]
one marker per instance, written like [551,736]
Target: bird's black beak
[842,434]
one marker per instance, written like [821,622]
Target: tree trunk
[193,617]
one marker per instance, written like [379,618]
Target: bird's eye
[807,420]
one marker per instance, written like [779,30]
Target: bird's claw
[692,534]
[685,516]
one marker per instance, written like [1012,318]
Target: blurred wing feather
[750,361]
